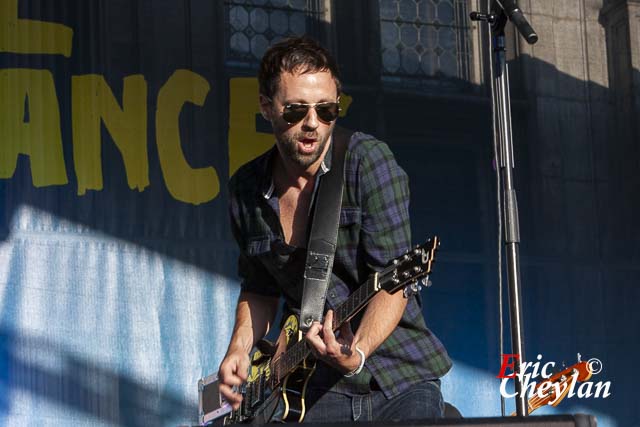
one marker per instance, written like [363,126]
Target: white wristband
[359,368]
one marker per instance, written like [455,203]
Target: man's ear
[265,107]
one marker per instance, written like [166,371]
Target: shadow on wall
[577,191]
[44,370]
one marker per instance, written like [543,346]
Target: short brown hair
[295,54]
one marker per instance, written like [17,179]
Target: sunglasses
[326,111]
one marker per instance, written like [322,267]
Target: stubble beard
[289,147]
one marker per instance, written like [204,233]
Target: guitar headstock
[581,371]
[407,270]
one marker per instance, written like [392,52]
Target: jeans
[421,401]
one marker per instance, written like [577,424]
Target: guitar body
[294,388]
[294,385]
[291,391]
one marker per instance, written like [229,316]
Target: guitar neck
[356,302]
[290,359]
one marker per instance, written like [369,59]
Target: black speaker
[577,420]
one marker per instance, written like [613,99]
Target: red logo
[508,361]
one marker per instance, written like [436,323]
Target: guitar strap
[324,233]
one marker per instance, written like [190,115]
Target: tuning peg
[579,356]
[426,282]
[411,289]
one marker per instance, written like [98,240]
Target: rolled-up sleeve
[255,278]
[384,199]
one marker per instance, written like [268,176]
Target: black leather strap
[324,233]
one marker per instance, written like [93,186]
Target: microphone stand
[500,11]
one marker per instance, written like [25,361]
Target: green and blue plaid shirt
[374,228]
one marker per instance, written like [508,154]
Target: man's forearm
[380,319]
[254,317]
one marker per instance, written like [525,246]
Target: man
[388,369]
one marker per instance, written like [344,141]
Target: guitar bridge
[211,404]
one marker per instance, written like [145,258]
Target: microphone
[516,16]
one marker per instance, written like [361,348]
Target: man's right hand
[233,373]
[254,315]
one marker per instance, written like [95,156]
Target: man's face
[302,142]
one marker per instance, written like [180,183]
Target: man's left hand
[339,351]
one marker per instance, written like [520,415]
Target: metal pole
[498,13]
[510,212]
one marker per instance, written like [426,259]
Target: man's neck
[287,173]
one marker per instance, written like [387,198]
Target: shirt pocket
[349,216]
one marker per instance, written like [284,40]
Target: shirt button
[332,294]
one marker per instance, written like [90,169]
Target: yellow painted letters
[183,182]
[30,124]
[245,143]
[31,37]
[93,101]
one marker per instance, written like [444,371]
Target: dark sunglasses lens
[328,112]
[294,113]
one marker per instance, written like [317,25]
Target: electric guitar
[285,374]
[558,386]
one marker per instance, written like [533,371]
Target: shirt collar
[267,186]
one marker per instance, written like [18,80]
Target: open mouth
[307,145]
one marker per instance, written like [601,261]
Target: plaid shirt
[374,228]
